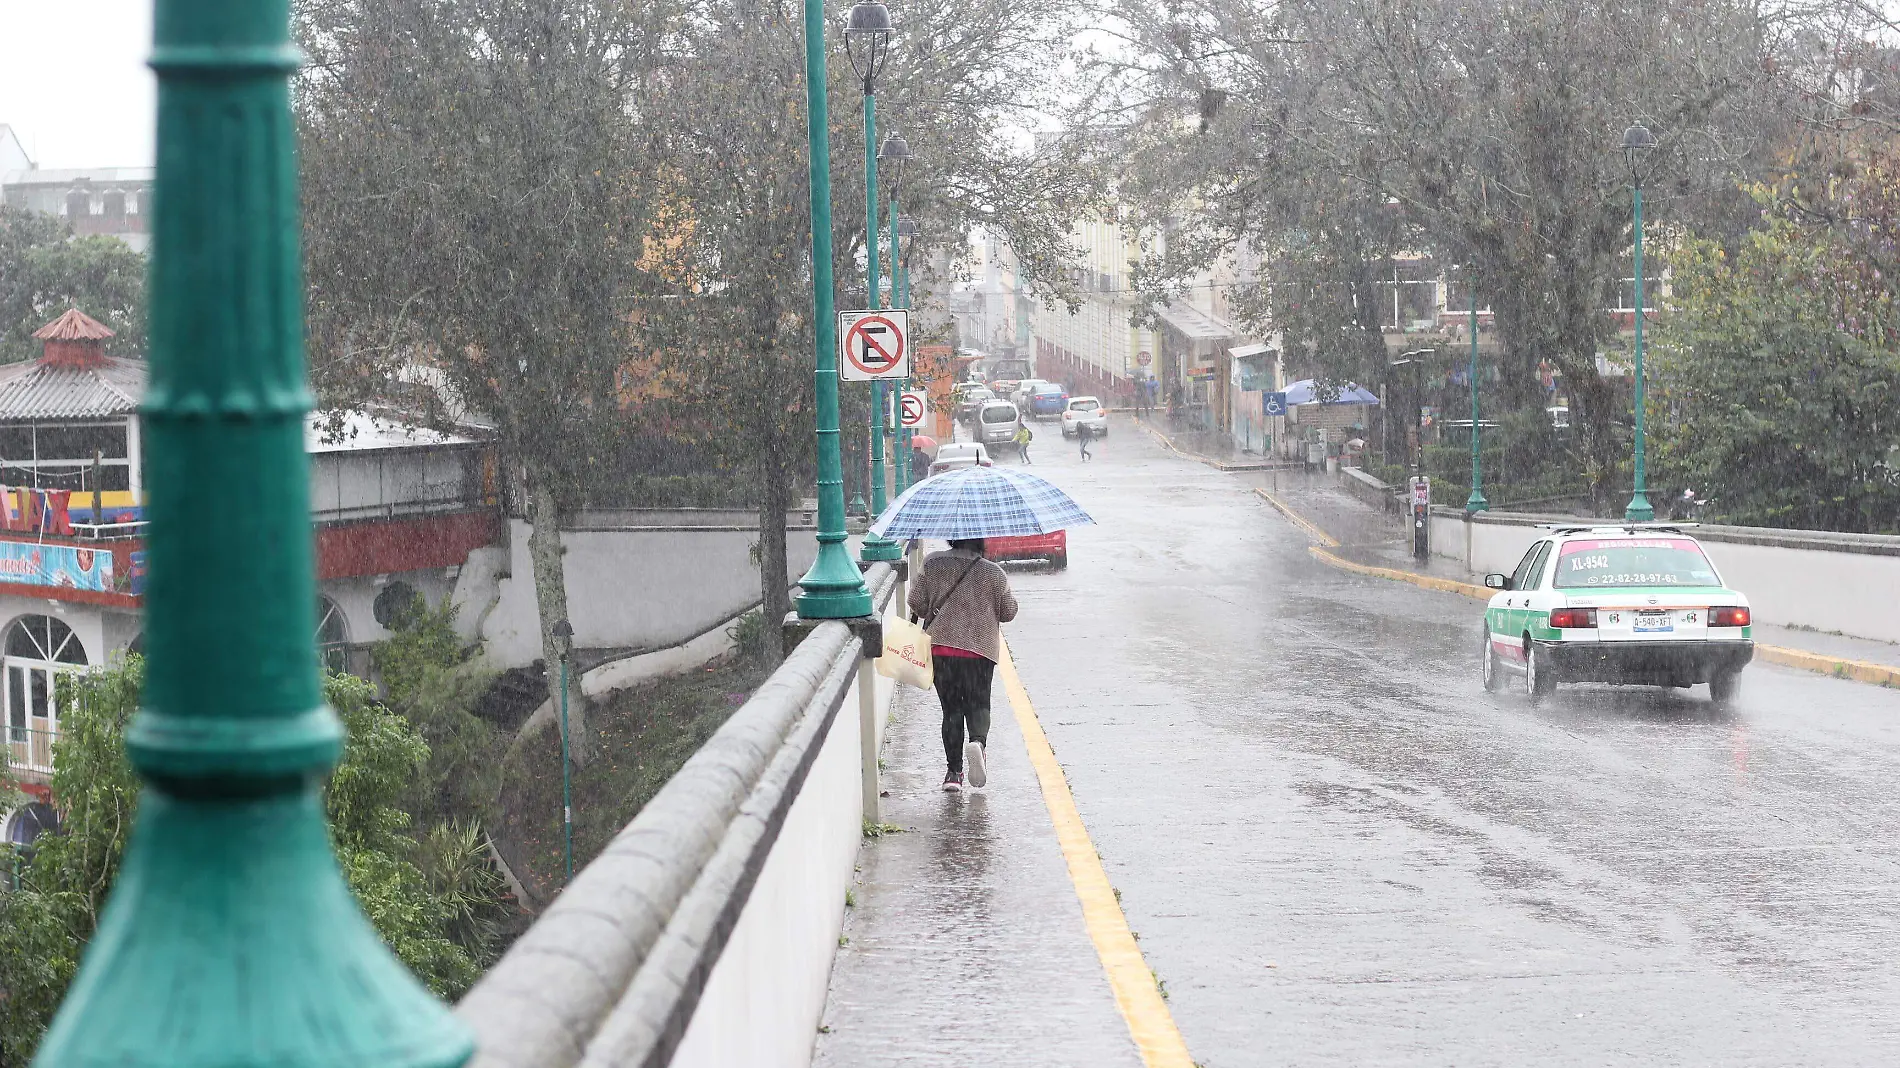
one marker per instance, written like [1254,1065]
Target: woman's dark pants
[963,688]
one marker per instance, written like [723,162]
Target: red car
[1053,547]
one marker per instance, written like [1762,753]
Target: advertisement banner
[29,564]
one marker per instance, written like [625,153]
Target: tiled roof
[75,325]
[38,390]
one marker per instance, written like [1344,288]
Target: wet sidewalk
[966,944]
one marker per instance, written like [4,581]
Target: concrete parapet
[618,969]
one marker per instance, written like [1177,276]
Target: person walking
[1083,433]
[962,599]
[1022,439]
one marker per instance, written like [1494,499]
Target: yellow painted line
[1430,582]
[1839,667]
[1299,520]
[1150,1023]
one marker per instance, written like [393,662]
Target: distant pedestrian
[961,600]
[1022,439]
[1083,433]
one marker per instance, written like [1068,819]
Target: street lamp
[1416,358]
[1476,502]
[895,156]
[563,632]
[867,43]
[905,240]
[1638,144]
[833,588]
[230,936]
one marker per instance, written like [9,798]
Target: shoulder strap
[932,616]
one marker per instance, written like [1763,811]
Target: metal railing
[29,750]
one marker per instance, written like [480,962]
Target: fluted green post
[1639,510]
[230,938]
[900,298]
[833,588]
[1475,502]
[874,547]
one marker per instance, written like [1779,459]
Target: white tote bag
[906,656]
[906,653]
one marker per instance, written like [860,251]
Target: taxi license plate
[1654,623]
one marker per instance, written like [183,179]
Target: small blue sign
[1276,403]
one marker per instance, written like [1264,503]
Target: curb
[1837,667]
[1820,664]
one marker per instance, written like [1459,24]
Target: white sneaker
[973,764]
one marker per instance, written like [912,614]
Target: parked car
[1084,411]
[1020,395]
[958,454]
[1638,604]
[970,397]
[996,422]
[1047,400]
[1053,547]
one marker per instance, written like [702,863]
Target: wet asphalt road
[1338,850]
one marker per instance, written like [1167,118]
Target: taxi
[1636,604]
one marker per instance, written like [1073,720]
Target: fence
[30,750]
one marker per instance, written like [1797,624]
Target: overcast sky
[73,80]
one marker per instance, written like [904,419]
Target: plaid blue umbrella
[979,502]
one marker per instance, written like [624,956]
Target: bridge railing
[704,933]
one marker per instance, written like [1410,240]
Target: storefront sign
[31,564]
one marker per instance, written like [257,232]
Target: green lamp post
[833,588]
[1476,502]
[230,937]
[904,235]
[867,41]
[1638,143]
[564,634]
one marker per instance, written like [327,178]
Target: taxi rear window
[1632,562]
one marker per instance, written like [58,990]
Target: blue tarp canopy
[1305,392]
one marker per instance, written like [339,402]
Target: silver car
[997,422]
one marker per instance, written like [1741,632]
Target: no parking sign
[873,345]
[913,406]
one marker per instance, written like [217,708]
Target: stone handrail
[613,971]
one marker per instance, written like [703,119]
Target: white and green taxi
[1637,604]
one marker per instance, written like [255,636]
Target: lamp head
[1638,144]
[867,41]
[893,155]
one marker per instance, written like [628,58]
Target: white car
[1021,394]
[958,454]
[1636,604]
[1084,411]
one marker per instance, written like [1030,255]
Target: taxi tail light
[1573,618]
[1728,617]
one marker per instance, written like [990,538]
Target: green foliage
[44,271]
[1776,378]
[428,888]
[429,683]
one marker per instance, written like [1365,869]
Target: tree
[1489,129]
[44,271]
[730,331]
[474,200]
[1777,366]
[430,894]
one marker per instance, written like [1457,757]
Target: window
[38,649]
[333,636]
[1622,562]
[46,639]
[1537,567]
[1522,575]
[61,457]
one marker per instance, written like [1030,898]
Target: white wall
[766,995]
[639,588]
[1852,593]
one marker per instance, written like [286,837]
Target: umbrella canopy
[980,502]
[924,442]
[1305,391]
